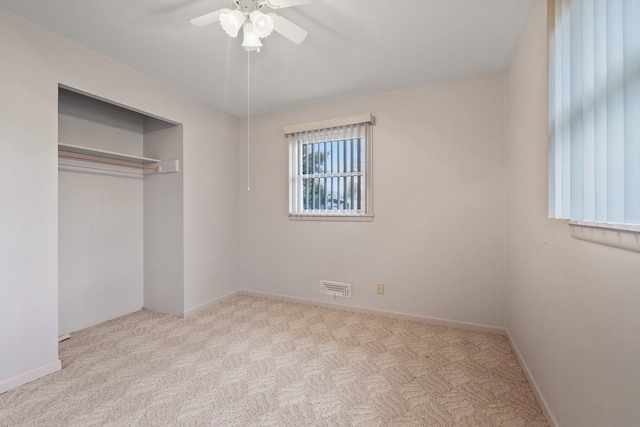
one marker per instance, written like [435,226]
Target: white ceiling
[354,47]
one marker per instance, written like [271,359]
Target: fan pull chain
[248,122]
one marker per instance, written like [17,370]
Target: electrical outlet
[381,288]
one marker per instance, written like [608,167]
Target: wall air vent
[334,288]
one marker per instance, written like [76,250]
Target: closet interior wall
[111,259]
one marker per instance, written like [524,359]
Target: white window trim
[332,217]
[291,130]
[630,228]
[622,238]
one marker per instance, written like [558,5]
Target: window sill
[617,236]
[341,218]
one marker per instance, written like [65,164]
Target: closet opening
[120,212]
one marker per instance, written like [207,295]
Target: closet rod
[112,162]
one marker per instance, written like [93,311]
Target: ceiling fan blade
[280,4]
[208,18]
[288,29]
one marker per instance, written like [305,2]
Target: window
[594,112]
[330,169]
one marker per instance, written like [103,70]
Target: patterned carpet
[260,362]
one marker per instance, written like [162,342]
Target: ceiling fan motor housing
[248,6]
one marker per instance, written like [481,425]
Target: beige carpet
[256,361]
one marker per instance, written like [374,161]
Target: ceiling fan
[255,24]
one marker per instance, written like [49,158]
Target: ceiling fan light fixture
[256,24]
[262,24]
[232,21]
[251,40]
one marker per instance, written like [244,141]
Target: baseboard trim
[32,375]
[377,312]
[209,304]
[534,385]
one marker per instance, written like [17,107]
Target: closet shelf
[86,151]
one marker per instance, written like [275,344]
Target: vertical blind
[594,111]
[330,169]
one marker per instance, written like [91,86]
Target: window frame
[592,152]
[295,136]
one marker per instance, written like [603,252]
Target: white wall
[164,221]
[572,307]
[100,217]
[28,209]
[437,240]
[34,63]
